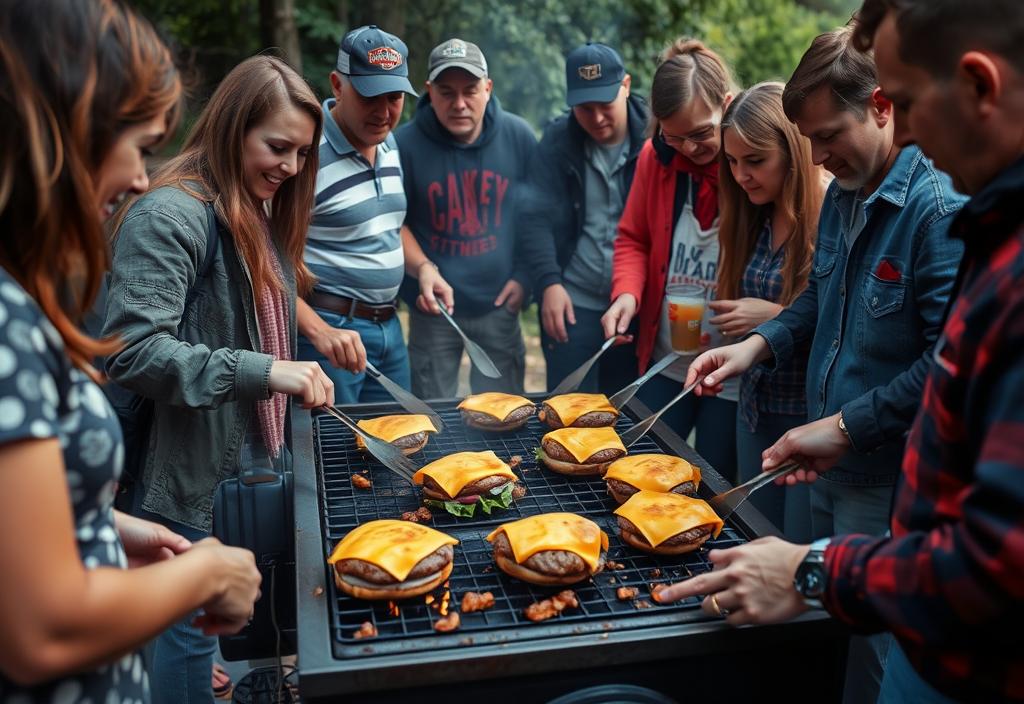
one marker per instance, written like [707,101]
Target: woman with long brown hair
[86,90]
[770,195]
[213,347]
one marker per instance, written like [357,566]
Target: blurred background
[525,43]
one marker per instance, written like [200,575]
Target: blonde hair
[688,70]
[756,116]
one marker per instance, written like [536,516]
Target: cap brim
[595,94]
[470,68]
[372,86]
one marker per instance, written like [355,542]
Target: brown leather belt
[350,306]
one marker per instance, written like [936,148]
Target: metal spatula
[389,455]
[573,381]
[622,397]
[640,429]
[476,353]
[405,399]
[727,502]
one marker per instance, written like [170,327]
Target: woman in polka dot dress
[86,89]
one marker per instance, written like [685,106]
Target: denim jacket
[873,313]
[204,382]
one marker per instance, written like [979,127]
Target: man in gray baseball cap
[354,246]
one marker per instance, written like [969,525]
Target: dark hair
[74,74]
[832,61]
[935,33]
[688,70]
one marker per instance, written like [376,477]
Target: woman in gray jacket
[214,348]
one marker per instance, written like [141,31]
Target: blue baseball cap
[375,62]
[593,74]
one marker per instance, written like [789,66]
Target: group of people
[864,322]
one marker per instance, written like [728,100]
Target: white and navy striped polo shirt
[354,245]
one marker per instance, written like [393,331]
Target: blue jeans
[616,368]
[713,418]
[901,682]
[789,508]
[180,658]
[385,349]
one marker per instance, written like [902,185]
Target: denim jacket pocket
[824,263]
[883,297]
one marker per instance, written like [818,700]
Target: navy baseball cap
[376,62]
[593,74]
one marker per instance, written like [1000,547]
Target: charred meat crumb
[367,630]
[643,604]
[514,461]
[475,601]
[549,608]
[626,593]
[519,491]
[655,573]
[447,623]
[613,565]
[361,482]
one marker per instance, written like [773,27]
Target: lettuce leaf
[502,499]
[453,507]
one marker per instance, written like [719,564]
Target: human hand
[343,348]
[556,312]
[721,363]
[752,583]
[432,287]
[815,446]
[737,317]
[146,542]
[511,296]
[304,379]
[617,318]
[238,588]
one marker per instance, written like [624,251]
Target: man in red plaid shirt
[949,582]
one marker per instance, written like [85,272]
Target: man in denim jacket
[873,308]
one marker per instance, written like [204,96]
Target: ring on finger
[719,611]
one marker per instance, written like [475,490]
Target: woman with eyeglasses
[665,266]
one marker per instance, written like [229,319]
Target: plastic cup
[686,303]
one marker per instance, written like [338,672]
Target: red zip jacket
[642,247]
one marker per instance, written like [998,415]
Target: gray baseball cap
[375,62]
[456,53]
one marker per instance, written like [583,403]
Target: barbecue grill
[605,639]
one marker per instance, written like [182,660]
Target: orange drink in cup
[686,304]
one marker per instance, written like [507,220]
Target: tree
[277,29]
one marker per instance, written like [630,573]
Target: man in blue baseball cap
[354,246]
[577,190]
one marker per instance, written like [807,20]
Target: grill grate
[411,629]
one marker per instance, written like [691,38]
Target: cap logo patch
[455,50]
[590,72]
[384,57]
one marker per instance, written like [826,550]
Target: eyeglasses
[704,135]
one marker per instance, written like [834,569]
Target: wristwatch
[842,427]
[811,579]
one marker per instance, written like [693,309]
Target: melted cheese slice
[659,516]
[584,442]
[570,407]
[456,471]
[494,403]
[394,546]
[653,472]
[390,428]
[555,531]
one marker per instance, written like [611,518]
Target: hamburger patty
[593,419]
[684,538]
[624,489]
[555,450]
[407,441]
[560,563]
[516,416]
[431,564]
[480,486]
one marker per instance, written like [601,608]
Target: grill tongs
[388,455]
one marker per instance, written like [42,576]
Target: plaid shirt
[949,583]
[781,390]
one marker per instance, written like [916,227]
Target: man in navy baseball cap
[593,74]
[375,62]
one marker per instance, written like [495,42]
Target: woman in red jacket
[668,236]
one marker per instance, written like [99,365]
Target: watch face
[810,579]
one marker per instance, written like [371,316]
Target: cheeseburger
[550,549]
[661,473]
[496,411]
[392,560]
[409,433]
[460,482]
[578,411]
[666,524]
[580,451]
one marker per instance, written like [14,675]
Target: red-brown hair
[74,74]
